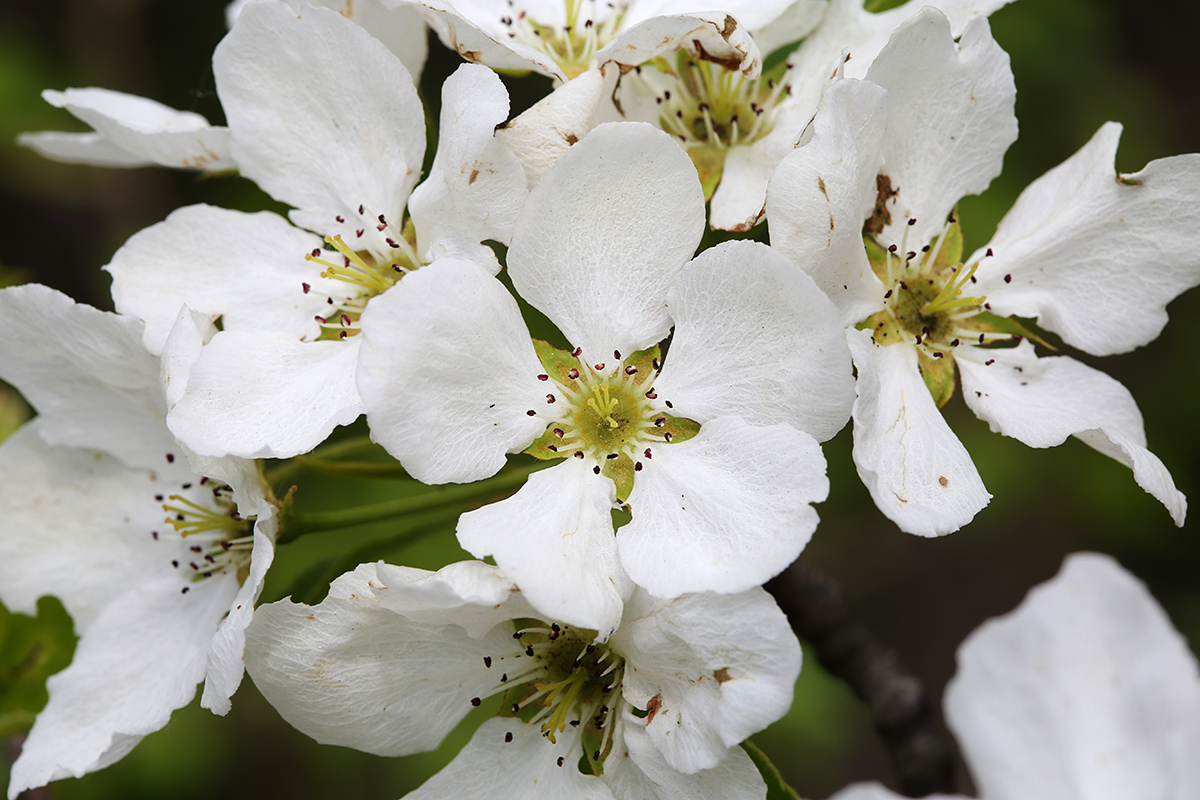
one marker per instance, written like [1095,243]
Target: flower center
[364,274]
[925,305]
[587,27]
[605,413]
[558,676]
[218,539]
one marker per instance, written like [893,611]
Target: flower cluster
[544,307]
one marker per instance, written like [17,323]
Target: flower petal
[476,186]
[713,669]
[447,373]
[1042,401]
[256,394]
[713,35]
[248,269]
[329,122]
[723,511]
[352,672]
[645,775]
[1085,691]
[604,233]
[530,765]
[543,132]
[554,539]
[140,660]
[874,791]
[754,337]
[822,192]
[86,373]
[1094,255]
[80,148]
[919,474]
[950,119]
[147,130]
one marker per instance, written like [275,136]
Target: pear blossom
[158,558]
[738,127]
[1085,692]
[1095,256]
[566,38]
[131,131]
[400,29]
[326,119]
[713,447]
[395,657]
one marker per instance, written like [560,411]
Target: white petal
[86,373]
[554,539]
[1085,691]
[473,30]
[723,511]
[249,269]
[919,474]
[713,669]
[822,192]
[78,525]
[874,791]
[543,132]
[224,663]
[447,373]
[1095,256]
[138,662]
[476,186]
[261,395]
[528,766]
[80,148]
[950,119]
[754,337]
[148,130]
[604,233]
[328,122]
[719,36]
[646,776]
[794,23]
[469,594]
[1042,401]
[351,672]
[401,29]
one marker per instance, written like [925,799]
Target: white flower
[158,564]
[1093,255]
[325,119]
[1085,692]
[131,131]
[399,28]
[563,39]
[737,127]
[395,657]
[452,383]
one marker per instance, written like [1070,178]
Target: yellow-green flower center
[219,540]
[587,27]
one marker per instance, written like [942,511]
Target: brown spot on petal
[722,675]
[652,707]
[474,175]
[880,217]
[942,480]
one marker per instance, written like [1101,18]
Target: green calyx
[606,412]
[927,303]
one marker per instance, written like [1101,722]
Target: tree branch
[922,755]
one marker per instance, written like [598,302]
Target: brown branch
[922,755]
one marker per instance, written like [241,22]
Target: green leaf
[777,787]
[31,650]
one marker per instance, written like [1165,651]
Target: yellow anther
[604,404]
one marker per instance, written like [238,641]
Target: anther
[631,370]
[549,398]
[1008,278]
[531,413]
[508,737]
[487,661]
[543,377]
[596,469]
[572,373]
[170,458]
[305,287]
[477,702]
[577,352]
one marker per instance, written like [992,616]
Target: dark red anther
[651,394]
[648,454]
[476,701]
[989,362]
[989,252]
[531,413]
[306,288]
[637,467]
[631,370]
[392,242]
[611,456]
[316,251]
[552,448]
[170,458]
[380,227]
[617,355]
[654,362]
[577,351]
[596,469]
[1008,278]
[543,377]
[599,367]
[558,432]
[889,294]
[359,232]
[579,454]
[893,249]
[345,319]
[667,436]
[360,209]
[668,403]
[572,373]
[340,218]
[658,423]
[508,737]
[487,661]
[549,398]
[319,319]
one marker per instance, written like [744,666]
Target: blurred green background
[1078,63]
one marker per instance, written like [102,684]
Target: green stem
[288,469]
[355,469]
[298,524]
